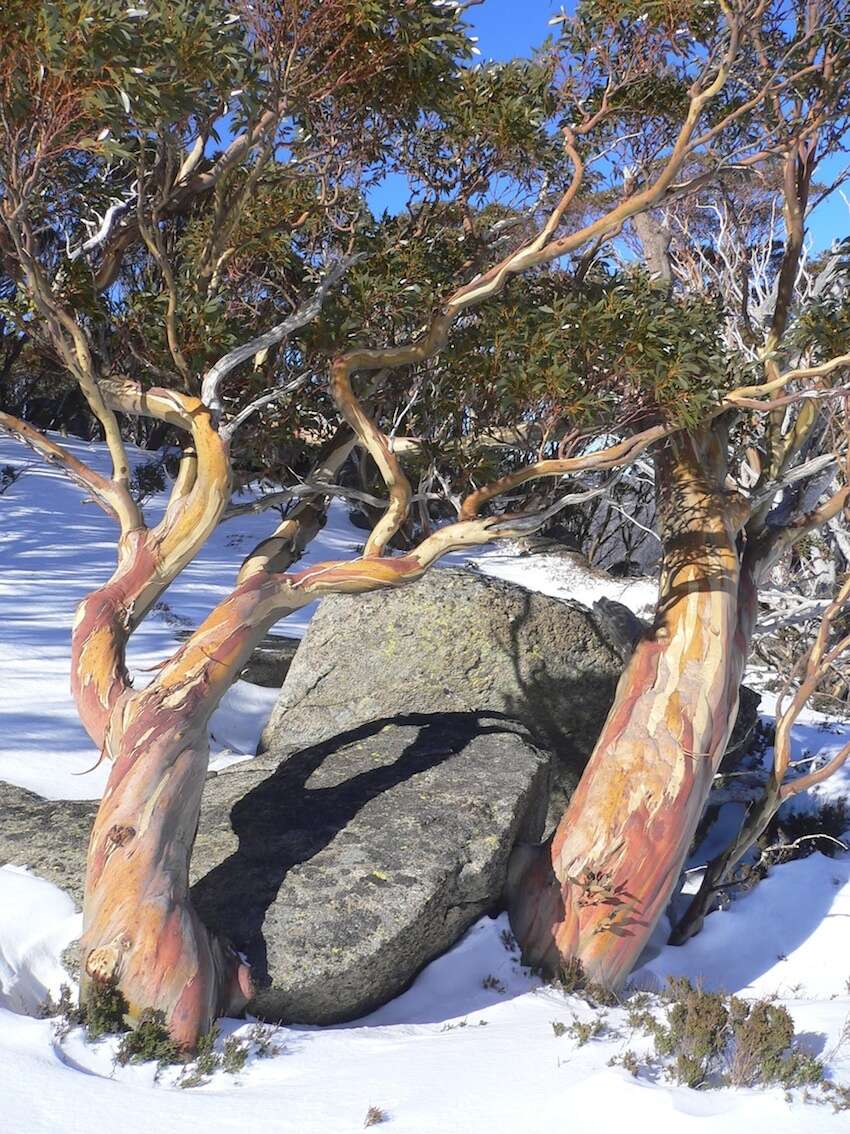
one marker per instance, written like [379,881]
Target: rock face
[459,641]
[346,869]
[270,661]
[360,860]
[455,641]
[50,836]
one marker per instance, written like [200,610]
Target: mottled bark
[595,891]
[149,559]
[139,927]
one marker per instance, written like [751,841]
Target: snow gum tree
[185,235]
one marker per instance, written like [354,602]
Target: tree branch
[307,311]
[102,489]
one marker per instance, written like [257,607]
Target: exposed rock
[741,739]
[455,641]
[360,860]
[619,625]
[346,869]
[50,836]
[270,661]
[460,641]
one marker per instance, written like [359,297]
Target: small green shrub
[104,1010]
[571,979]
[712,1039]
[104,1014]
[262,1038]
[149,1042]
[146,480]
[696,1032]
[234,1055]
[628,1061]
[584,1031]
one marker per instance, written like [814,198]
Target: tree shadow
[283,821]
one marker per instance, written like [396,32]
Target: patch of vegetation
[583,1031]
[149,1042]
[628,1061]
[559,1028]
[375,1116]
[68,1014]
[234,1055]
[262,1039]
[798,834]
[695,1035]
[493,983]
[105,1009]
[708,1039]
[104,1014]
[838,1096]
[571,979]
[146,480]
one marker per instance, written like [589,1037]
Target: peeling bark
[139,927]
[596,890]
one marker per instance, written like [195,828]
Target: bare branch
[307,311]
[102,489]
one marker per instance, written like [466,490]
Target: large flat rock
[360,860]
[455,641]
[344,870]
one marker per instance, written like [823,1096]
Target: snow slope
[54,549]
[449,1055]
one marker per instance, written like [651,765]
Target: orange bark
[139,927]
[596,890]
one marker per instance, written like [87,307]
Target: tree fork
[140,929]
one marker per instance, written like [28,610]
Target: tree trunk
[595,891]
[139,928]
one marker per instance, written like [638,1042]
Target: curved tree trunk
[595,891]
[139,928]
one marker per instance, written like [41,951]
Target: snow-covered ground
[450,1054]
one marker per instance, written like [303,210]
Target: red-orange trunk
[596,890]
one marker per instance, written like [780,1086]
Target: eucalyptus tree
[220,183]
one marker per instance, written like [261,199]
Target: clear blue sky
[511,27]
[506,28]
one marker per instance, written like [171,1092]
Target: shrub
[149,1042]
[375,1116]
[696,1032]
[583,1032]
[104,1011]
[707,1032]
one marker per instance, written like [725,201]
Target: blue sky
[511,27]
[506,28]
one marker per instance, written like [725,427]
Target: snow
[470,1046]
[54,549]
